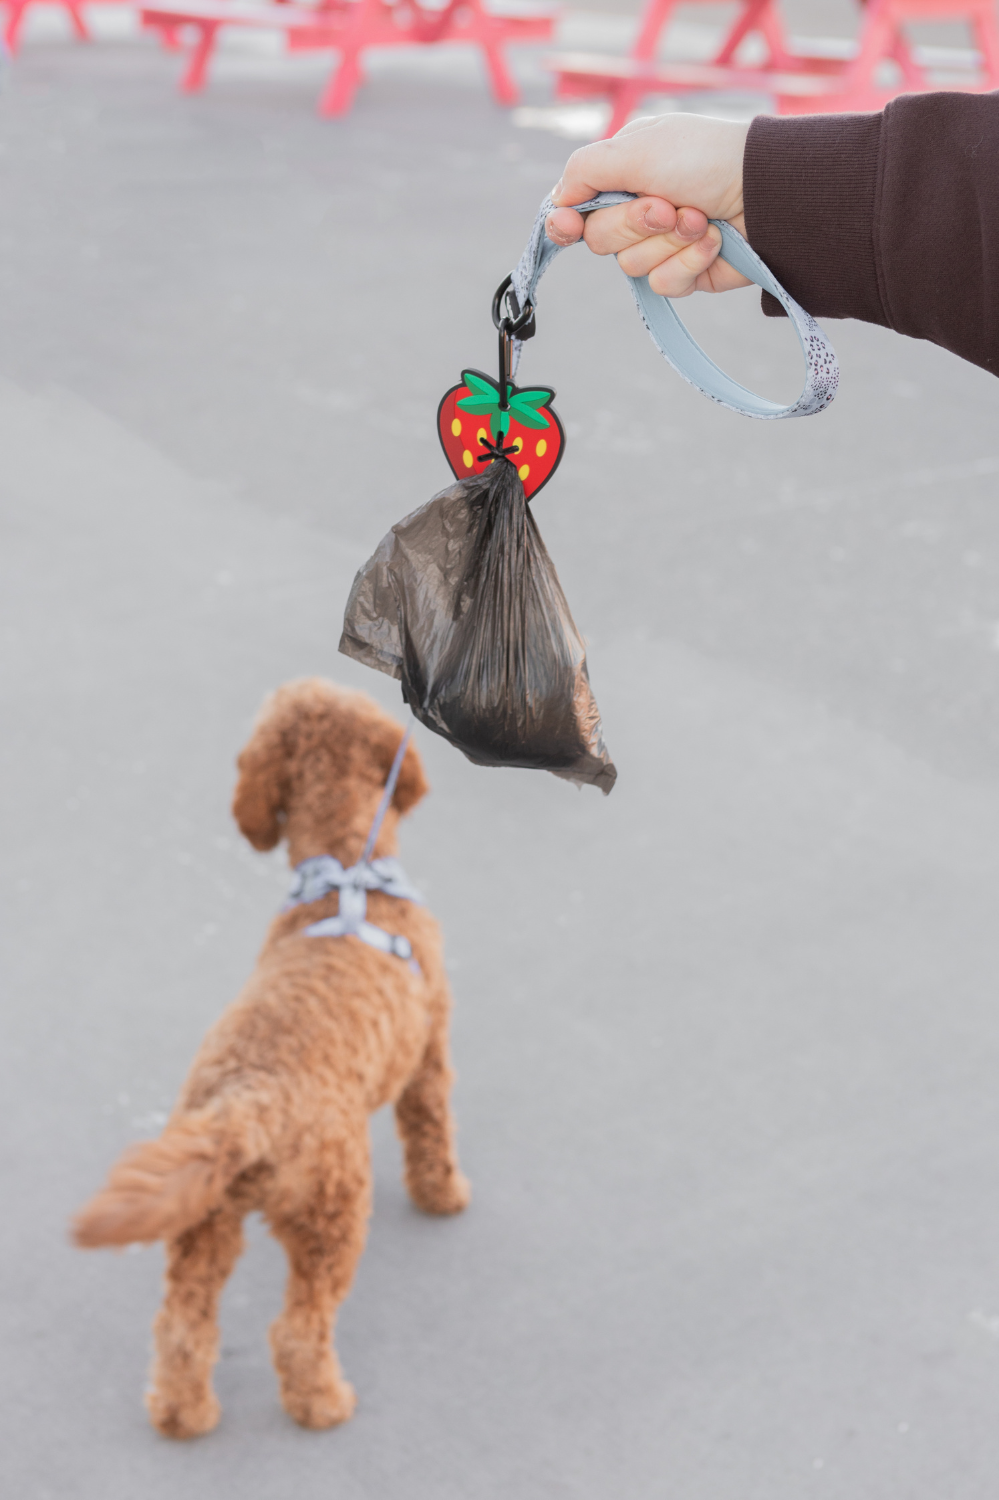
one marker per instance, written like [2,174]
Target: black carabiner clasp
[521,322]
[520,325]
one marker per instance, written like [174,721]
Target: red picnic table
[351,26]
[801,82]
[15,17]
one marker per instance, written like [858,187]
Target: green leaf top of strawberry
[474,432]
[527,407]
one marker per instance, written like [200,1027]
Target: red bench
[626,81]
[858,85]
[351,26]
[800,82]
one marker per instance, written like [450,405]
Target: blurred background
[727,1041]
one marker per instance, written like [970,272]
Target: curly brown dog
[274,1113]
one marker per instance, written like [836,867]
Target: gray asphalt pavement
[727,1041]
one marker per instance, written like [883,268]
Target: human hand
[668,159]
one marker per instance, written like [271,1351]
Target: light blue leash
[672,339]
[317,877]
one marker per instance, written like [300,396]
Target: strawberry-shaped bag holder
[461,601]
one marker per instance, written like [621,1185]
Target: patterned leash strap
[387,795]
[672,339]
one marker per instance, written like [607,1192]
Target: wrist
[733,151]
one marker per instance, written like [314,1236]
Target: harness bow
[317,877]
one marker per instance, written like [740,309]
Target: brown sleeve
[892,217]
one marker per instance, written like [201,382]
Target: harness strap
[318,877]
[667,331]
[315,878]
[375,937]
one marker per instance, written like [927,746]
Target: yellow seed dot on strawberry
[466,459]
[456,428]
[518,444]
[524,470]
[542,448]
[482,435]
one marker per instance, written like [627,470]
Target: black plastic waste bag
[462,603]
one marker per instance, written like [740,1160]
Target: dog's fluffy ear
[412,784]
[258,803]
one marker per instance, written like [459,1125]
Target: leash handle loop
[669,334]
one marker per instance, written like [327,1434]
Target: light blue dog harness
[317,877]
[671,338]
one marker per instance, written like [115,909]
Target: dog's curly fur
[274,1113]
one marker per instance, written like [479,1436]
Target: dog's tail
[160,1188]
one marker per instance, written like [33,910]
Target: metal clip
[517,323]
[522,324]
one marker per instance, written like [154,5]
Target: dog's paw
[443,1195]
[183,1419]
[325,1407]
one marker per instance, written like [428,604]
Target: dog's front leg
[426,1126]
[181,1402]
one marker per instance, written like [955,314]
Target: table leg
[654,20]
[505,90]
[76,18]
[987,36]
[747,22]
[624,97]
[912,74]
[194,78]
[12,31]
[343,83]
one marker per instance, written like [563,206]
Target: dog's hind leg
[181,1402]
[426,1125]
[323,1246]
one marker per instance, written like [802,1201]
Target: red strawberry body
[469,417]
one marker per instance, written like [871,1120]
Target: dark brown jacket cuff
[809,187]
[893,218]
